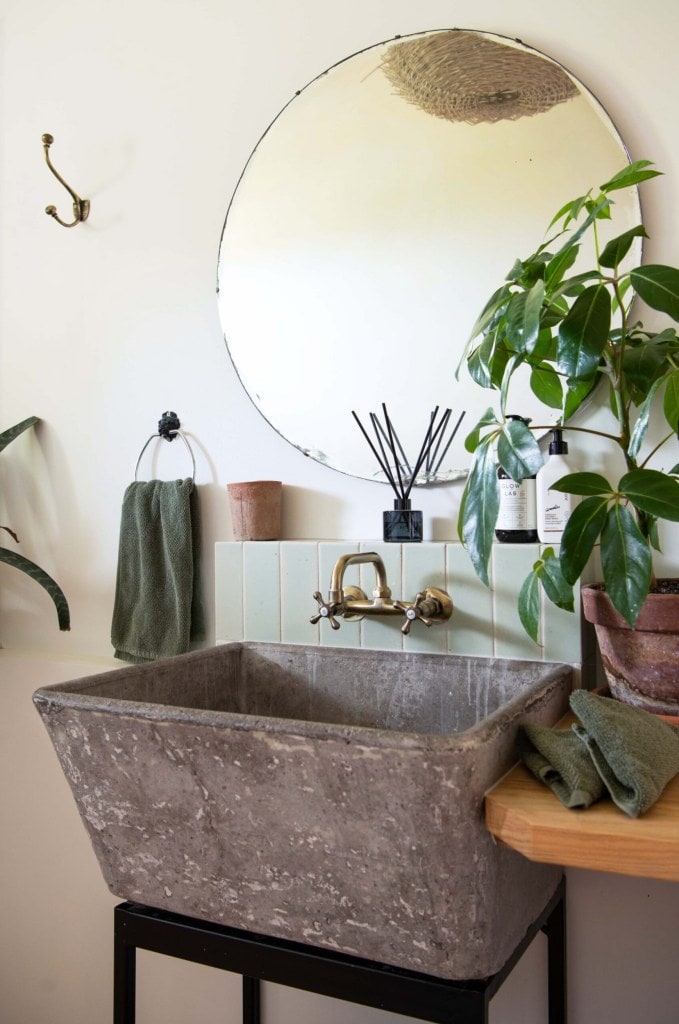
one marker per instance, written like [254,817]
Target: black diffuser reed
[404,524]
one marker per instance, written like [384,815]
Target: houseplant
[575,331]
[20,561]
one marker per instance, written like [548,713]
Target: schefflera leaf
[517,450]
[546,571]
[479,508]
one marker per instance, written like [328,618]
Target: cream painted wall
[155,107]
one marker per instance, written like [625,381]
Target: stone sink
[332,797]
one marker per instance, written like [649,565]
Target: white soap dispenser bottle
[553,507]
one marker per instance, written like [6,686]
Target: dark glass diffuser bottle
[403,525]
[517,519]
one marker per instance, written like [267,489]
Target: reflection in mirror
[373,220]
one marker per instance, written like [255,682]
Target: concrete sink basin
[333,797]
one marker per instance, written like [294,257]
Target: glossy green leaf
[658,286]
[575,285]
[43,579]
[487,420]
[583,483]
[653,535]
[479,508]
[671,401]
[497,300]
[644,361]
[641,425]
[582,531]
[653,492]
[558,265]
[596,211]
[517,450]
[8,435]
[626,562]
[584,332]
[578,391]
[617,248]
[569,211]
[557,589]
[637,171]
[513,364]
[478,362]
[523,318]
[529,605]
[545,383]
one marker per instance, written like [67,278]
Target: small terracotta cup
[256,509]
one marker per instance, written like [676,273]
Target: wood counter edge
[525,815]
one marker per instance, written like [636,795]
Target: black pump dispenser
[557,446]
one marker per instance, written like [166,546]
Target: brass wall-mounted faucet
[352,604]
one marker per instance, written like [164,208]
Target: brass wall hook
[81,207]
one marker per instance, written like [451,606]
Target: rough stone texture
[327,796]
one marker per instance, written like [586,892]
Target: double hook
[81,207]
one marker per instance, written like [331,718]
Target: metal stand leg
[124,976]
[555,929]
[251,1000]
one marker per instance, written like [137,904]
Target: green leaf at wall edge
[529,605]
[617,248]
[653,492]
[479,508]
[497,300]
[8,435]
[41,577]
[658,286]
[646,360]
[582,531]
[671,401]
[626,562]
[489,419]
[584,332]
[635,172]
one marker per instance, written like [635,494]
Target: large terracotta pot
[641,664]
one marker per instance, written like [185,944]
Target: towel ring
[168,428]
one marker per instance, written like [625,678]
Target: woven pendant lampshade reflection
[465,76]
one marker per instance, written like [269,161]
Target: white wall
[155,107]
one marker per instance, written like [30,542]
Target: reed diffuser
[403,524]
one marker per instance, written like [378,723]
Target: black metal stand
[260,958]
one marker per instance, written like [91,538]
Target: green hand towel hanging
[154,600]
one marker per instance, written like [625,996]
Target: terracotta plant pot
[641,664]
[256,509]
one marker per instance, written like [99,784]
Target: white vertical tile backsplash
[264,592]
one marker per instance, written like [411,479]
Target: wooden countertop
[526,815]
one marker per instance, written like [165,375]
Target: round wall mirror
[373,220]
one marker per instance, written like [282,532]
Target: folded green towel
[558,758]
[155,604]
[635,753]
[615,748]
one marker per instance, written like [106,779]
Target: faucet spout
[352,604]
[360,558]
